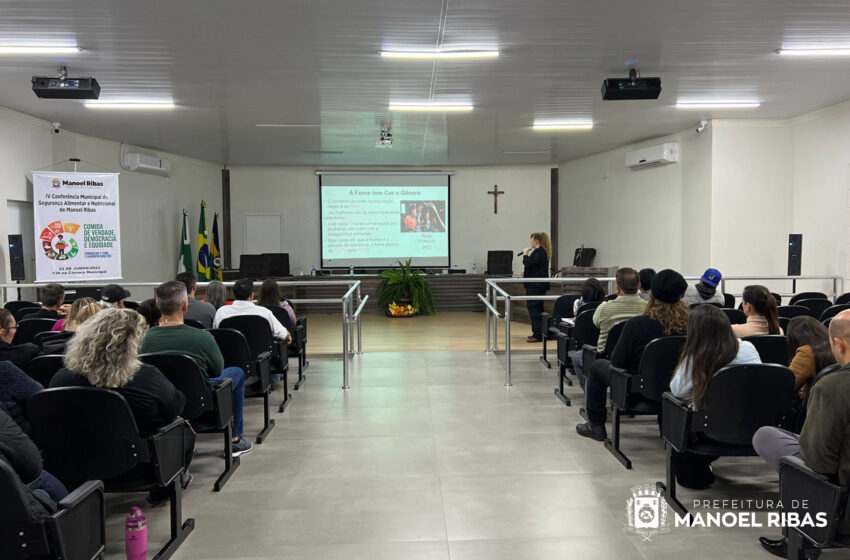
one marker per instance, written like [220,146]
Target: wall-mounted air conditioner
[146,164]
[654,155]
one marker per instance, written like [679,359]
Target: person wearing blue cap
[706,290]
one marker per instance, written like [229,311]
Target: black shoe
[777,547]
[592,431]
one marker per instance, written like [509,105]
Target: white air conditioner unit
[147,164]
[654,155]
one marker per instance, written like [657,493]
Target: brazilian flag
[215,253]
[203,250]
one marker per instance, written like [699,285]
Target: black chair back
[563,308]
[588,305]
[842,299]
[28,328]
[743,398]
[613,338]
[193,323]
[803,491]
[728,301]
[22,312]
[772,348]
[826,322]
[736,316]
[796,298]
[783,323]
[610,297]
[100,439]
[586,332]
[831,312]
[130,304]
[777,298]
[15,508]
[657,366]
[43,368]
[13,306]
[185,374]
[39,338]
[256,329]
[791,311]
[282,316]
[816,306]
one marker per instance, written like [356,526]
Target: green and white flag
[184,262]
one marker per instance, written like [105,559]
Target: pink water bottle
[136,535]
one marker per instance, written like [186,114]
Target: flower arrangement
[396,310]
[402,286]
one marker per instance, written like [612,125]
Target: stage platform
[441,332]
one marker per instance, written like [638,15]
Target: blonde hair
[81,309]
[545,242]
[105,349]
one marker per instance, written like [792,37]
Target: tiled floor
[429,456]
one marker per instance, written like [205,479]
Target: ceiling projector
[385,140]
[64,87]
[633,87]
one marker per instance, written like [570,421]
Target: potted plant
[405,292]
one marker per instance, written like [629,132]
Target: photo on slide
[423,216]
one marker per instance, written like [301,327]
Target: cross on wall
[495,192]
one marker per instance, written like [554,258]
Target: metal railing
[494,294]
[350,318]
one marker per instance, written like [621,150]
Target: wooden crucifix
[495,192]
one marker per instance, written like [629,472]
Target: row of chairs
[106,453]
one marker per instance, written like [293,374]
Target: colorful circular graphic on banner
[57,241]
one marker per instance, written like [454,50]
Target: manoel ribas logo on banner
[646,512]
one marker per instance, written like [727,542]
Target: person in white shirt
[243,294]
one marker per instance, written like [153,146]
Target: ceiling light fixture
[288,125]
[433,107]
[835,51]
[562,125]
[130,104]
[717,104]
[439,55]
[40,49]
[526,152]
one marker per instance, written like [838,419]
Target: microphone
[519,254]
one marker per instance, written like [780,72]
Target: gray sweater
[693,297]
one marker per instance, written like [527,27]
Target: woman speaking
[536,265]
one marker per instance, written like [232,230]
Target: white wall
[294,192]
[150,206]
[653,216]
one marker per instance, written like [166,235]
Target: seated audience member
[105,353]
[762,314]
[81,309]
[173,336]
[16,388]
[627,305]
[52,303]
[112,296]
[705,291]
[710,346]
[216,294]
[809,351]
[23,456]
[646,276]
[150,312]
[200,311]
[18,354]
[591,292]
[665,315]
[243,294]
[823,443]
[270,297]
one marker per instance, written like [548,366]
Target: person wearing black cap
[113,295]
[666,314]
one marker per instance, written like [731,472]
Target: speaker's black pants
[535,310]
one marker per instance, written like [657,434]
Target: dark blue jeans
[238,377]
[596,389]
[48,483]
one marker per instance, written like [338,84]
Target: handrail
[360,307]
[489,306]
[351,290]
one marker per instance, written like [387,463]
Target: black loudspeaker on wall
[795,254]
[16,257]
